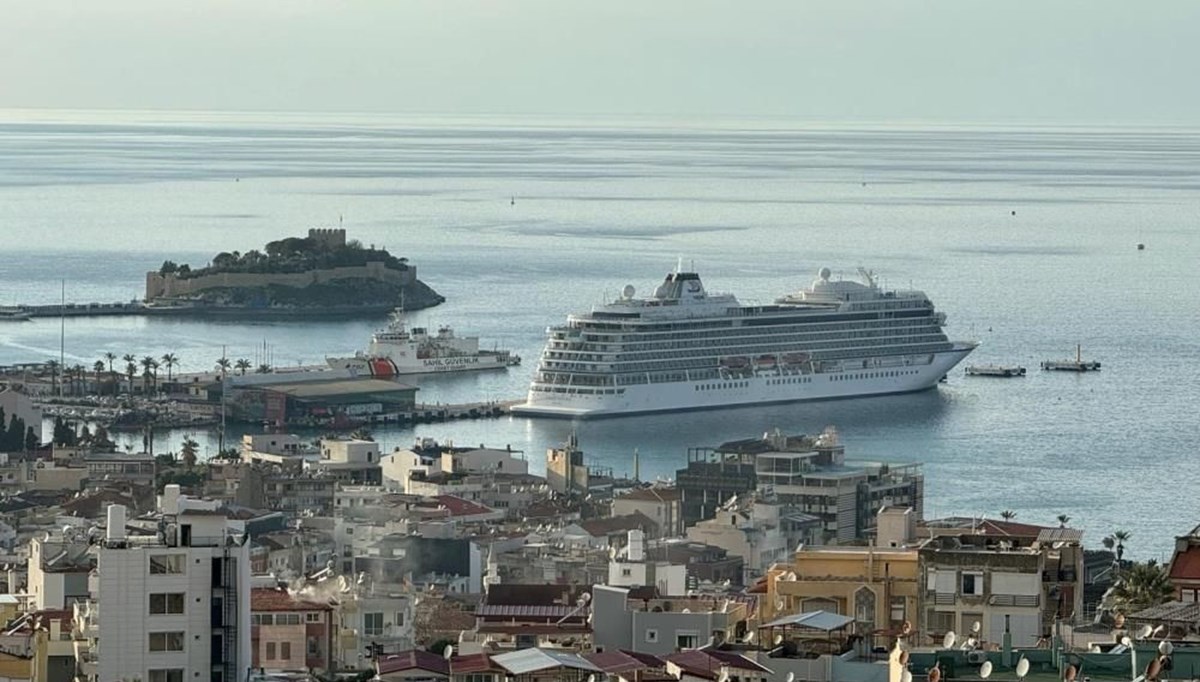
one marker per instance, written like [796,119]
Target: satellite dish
[686,610]
[750,636]
[586,597]
[1069,675]
[935,674]
[628,291]
[985,670]
[1125,641]
[449,652]
[906,676]
[724,675]
[1158,630]
[791,677]
[779,604]
[970,643]
[1022,668]
[1094,649]
[778,639]
[1144,631]
[948,640]
[976,627]
[1165,648]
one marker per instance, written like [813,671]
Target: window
[652,636]
[166,603]
[287,619]
[285,651]
[166,564]
[399,619]
[166,675]
[373,624]
[686,641]
[312,617]
[270,651]
[972,583]
[1191,595]
[479,677]
[166,641]
[314,647]
[626,572]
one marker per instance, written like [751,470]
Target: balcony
[1014,600]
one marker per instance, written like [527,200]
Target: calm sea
[1025,237]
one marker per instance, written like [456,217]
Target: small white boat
[13,314]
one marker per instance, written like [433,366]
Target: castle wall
[170,285]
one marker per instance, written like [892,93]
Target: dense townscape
[776,557]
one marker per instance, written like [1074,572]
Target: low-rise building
[290,633]
[760,531]
[660,503]
[643,622]
[138,468]
[348,460]
[879,587]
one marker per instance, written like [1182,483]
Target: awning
[817,620]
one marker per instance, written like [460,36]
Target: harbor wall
[171,285]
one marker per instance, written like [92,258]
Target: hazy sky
[1103,61]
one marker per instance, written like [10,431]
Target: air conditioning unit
[976,657]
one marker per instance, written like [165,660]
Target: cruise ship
[683,348]
[397,350]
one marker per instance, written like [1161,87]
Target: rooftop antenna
[636,469]
[224,388]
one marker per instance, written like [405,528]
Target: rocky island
[321,274]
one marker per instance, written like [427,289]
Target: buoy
[1141,246]
[1014,212]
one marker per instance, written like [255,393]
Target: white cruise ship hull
[883,378]
[389,367]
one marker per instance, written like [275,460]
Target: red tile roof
[1185,565]
[472,663]
[274,599]
[413,659]
[457,506]
[616,662]
[707,663]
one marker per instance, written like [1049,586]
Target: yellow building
[877,586]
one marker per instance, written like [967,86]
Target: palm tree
[223,366]
[1142,586]
[188,452]
[52,365]
[80,382]
[170,361]
[130,361]
[1063,520]
[1008,515]
[263,369]
[110,356]
[98,368]
[147,362]
[1119,537]
[242,365]
[130,370]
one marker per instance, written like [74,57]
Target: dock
[995,371]
[1076,365]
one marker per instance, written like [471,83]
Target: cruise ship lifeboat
[736,362]
[766,361]
[793,359]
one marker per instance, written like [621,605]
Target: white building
[277,448]
[427,458]
[630,568]
[759,531]
[175,605]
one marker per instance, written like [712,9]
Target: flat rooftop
[338,388]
